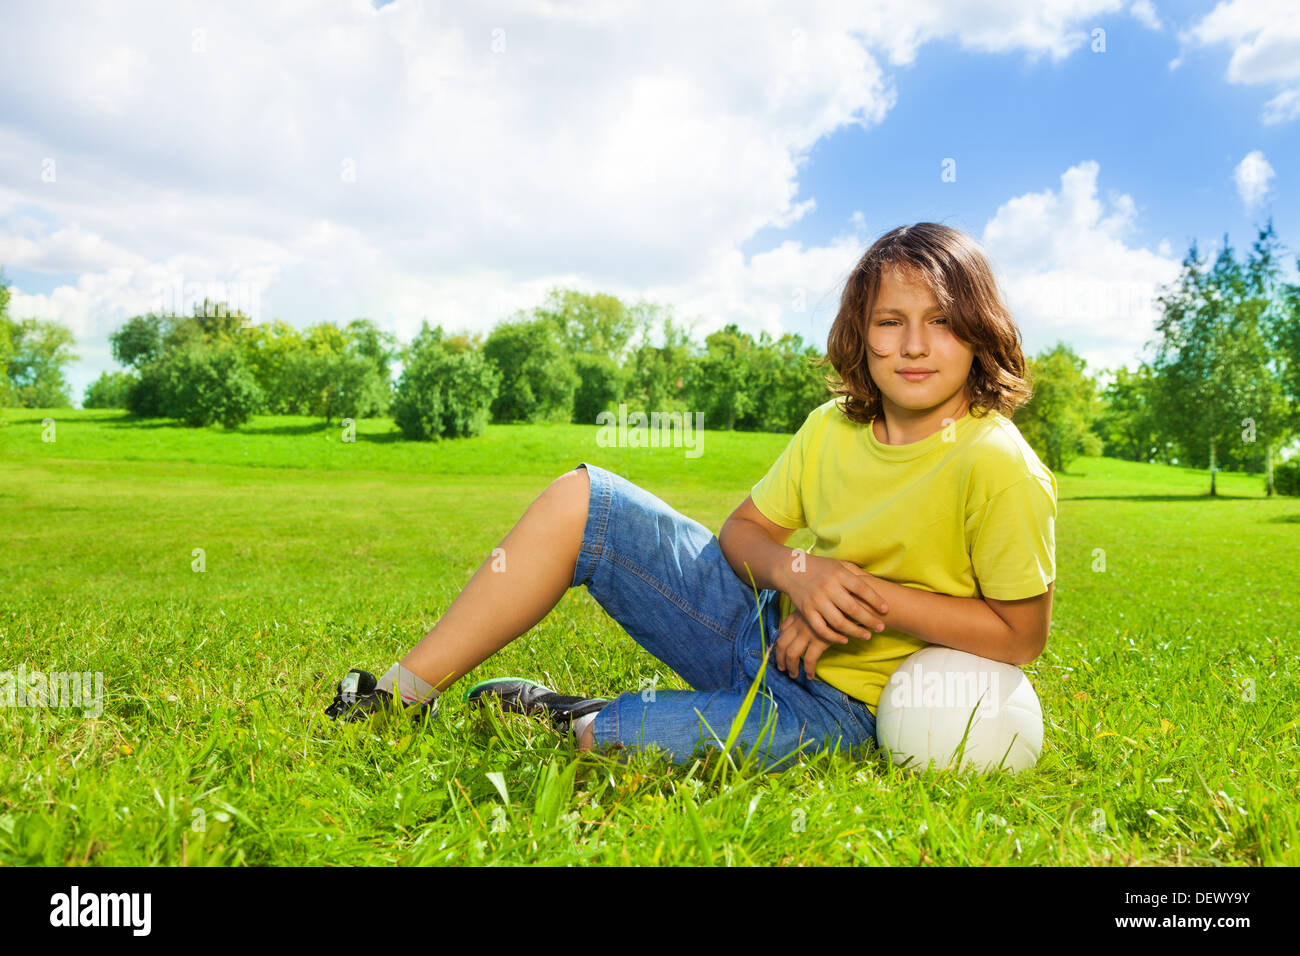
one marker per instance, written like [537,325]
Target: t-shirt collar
[912,449]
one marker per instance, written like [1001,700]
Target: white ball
[929,701]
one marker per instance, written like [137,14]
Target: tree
[590,324]
[139,341]
[787,384]
[38,351]
[372,343]
[200,383]
[600,386]
[327,371]
[445,390]
[1269,327]
[6,343]
[720,382]
[657,373]
[1210,360]
[343,373]
[271,351]
[1057,420]
[1127,424]
[537,376]
[110,390]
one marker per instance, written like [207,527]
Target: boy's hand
[835,598]
[799,641]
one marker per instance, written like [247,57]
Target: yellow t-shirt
[969,510]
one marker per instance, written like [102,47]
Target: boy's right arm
[749,537]
[832,595]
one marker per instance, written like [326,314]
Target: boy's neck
[903,426]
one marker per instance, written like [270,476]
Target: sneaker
[519,696]
[356,698]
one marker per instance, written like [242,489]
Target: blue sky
[1169,138]
[327,161]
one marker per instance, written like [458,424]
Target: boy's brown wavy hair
[956,270]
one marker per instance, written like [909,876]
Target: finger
[789,628]
[793,652]
[797,651]
[842,624]
[859,583]
[791,644]
[813,631]
[811,657]
[824,630]
[778,649]
[855,605]
[855,609]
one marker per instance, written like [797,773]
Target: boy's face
[907,330]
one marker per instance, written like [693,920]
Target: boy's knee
[571,492]
[573,484]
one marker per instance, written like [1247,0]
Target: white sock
[580,724]
[412,689]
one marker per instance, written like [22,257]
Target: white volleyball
[939,695]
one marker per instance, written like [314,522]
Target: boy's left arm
[1011,631]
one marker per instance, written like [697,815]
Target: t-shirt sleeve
[777,494]
[1014,550]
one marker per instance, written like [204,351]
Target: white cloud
[71,249]
[1252,176]
[1145,13]
[1265,39]
[496,150]
[1282,108]
[1068,272]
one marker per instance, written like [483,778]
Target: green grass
[1169,684]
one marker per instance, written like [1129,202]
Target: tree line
[1221,389]
[566,360]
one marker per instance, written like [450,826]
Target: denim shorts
[662,576]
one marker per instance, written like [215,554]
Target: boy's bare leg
[512,591]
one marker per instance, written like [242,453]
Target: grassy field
[1169,684]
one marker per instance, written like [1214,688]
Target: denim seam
[848,703]
[606,499]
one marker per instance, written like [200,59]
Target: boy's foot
[356,698]
[521,696]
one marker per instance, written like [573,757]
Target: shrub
[341,385]
[150,396]
[110,390]
[199,384]
[444,391]
[537,376]
[600,386]
[1286,477]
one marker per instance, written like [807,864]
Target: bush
[1286,477]
[536,374]
[150,396]
[444,392]
[110,390]
[340,385]
[199,384]
[600,386]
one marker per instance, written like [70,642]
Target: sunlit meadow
[221,583]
